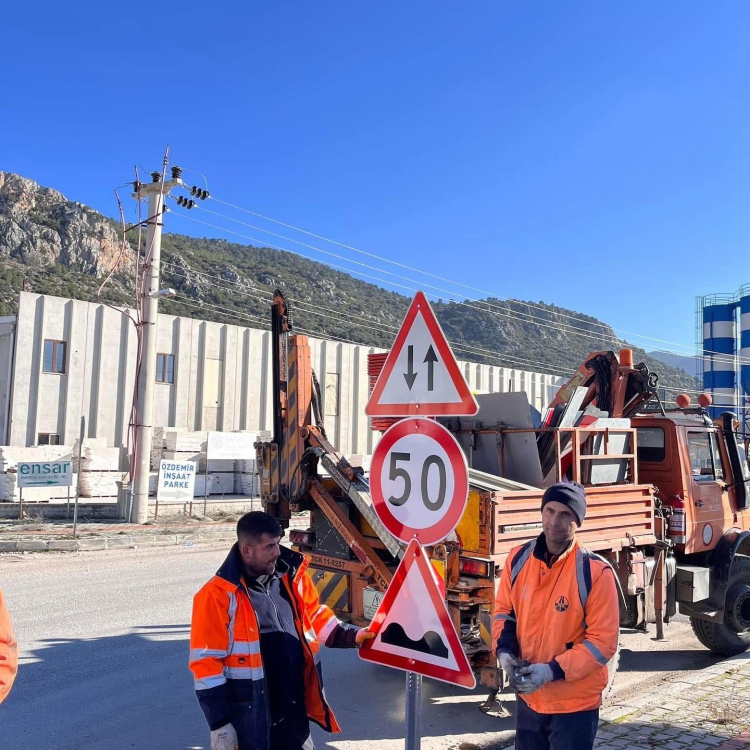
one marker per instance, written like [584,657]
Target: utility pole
[157,190]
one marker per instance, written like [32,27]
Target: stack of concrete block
[221,483]
[94,458]
[246,480]
[11,456]
[160,436]
[159,445]
[186,442]
[100,469]
[101,483]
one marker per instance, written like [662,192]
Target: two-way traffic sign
[420,376]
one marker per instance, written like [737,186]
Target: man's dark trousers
[534,731]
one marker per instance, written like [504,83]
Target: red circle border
[439,531]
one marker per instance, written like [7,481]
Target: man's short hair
[252,526]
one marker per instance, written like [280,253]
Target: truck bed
[617,516]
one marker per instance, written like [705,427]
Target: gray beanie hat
[571,494]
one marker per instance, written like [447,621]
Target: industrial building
[67,359]
[726,356]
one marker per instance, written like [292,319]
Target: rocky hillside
[55,246]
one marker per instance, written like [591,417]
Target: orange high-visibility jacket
[225,656]
[8,652]
[568,613]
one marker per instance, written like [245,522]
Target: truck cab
[686,457]
[699,469]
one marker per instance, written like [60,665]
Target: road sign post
[81,437]
[413,711]
[419,482]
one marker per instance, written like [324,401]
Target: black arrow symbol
[430,358]
[410,376]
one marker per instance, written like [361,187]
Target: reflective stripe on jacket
[225,656]
[8,652]
[568,612]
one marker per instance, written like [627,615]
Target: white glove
[508,664]
[530,679]
[224,738]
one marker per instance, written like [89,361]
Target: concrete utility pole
[156,192]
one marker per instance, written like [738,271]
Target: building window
[54,356]
[165,368]
[48,438]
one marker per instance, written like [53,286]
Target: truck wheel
[731,637]
[612,665]
[718,638]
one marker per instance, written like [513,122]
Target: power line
[384,259]
[511,315]
[314,334]
[502,313]
[315,310]
[387,260]
[563,327]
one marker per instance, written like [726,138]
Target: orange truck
[668,496]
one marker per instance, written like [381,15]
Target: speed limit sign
[419,481]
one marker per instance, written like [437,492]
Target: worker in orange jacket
[8,652]
[555,627]
[254,645]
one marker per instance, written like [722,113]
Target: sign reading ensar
[45,474]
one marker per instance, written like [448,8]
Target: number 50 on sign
[419,481]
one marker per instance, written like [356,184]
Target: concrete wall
[7,339]
[222,377]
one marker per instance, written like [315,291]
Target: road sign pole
[67,506]
[20,503]
[413,711]
[80,472]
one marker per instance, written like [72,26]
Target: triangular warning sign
[414,631]
[420,376]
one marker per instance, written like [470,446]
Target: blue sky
[593,155]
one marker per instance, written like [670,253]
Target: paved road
[104,662]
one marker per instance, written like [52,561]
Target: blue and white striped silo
[744,394]
[720,355]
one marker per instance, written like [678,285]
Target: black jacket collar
[231,569]
[542,553]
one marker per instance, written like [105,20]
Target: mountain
[54,246]
[691,365]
